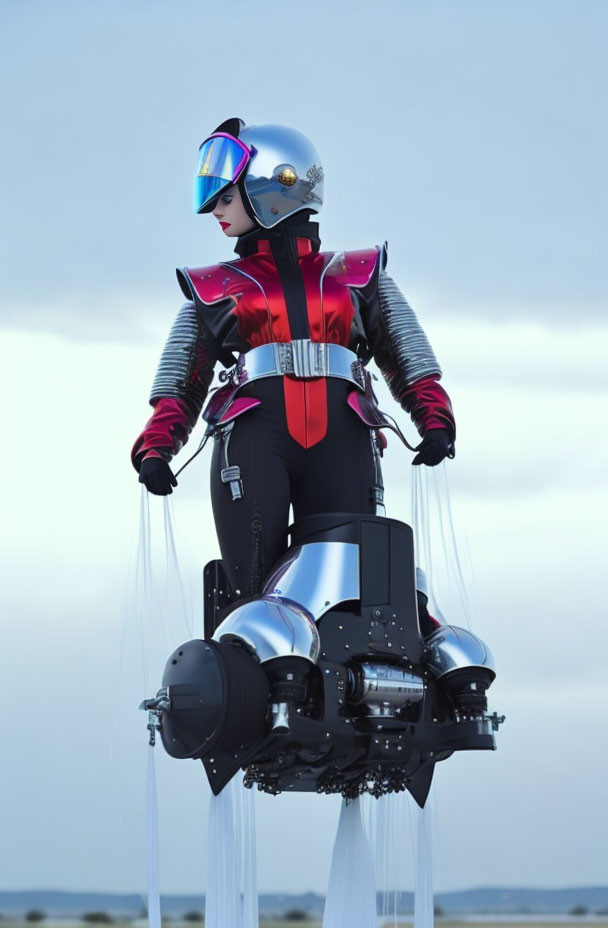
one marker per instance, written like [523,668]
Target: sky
[472,137]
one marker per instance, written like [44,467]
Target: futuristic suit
[296,421]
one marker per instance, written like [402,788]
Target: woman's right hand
[157,476]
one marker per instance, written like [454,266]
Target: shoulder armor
[207,284]
[357,268]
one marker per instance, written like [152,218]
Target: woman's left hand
[157,476]
[435,446]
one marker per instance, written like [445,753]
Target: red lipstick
[225,225]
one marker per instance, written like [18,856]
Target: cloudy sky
[471,136]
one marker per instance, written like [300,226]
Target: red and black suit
[310,442]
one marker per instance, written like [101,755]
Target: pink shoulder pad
[356,268]
[208,284]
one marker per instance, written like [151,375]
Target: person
[296,422]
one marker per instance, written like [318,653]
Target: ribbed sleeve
[179,389]
[185,369]
[413,357]
[404,355]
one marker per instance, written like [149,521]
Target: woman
[297,421]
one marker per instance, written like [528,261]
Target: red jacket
[282,287]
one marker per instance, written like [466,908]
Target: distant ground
[539,906]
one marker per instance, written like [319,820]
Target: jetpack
[332,680]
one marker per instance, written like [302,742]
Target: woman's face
[231,213]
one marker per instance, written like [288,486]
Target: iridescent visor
[221,159]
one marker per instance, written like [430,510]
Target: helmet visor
[221,160]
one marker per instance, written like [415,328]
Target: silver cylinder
[383,687]
[279,713]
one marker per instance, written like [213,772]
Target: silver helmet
[278,170]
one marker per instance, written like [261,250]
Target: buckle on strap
[357,369]
[302,358]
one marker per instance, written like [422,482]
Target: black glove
[434,447]
[157,476]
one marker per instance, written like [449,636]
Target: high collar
[293,236]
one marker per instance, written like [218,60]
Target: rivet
[287,177]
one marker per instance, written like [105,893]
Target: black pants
[337,474]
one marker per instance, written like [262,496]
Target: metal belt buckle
[304,358]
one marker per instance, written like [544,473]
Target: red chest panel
[260,304]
